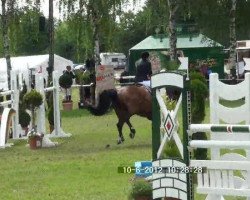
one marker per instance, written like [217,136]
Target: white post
[247,102]
[214,102]
[58,132]
[15,105]
[8,112]
[247,97]
[41,119]
[57,120]
[213,98]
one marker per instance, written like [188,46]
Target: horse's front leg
[119,127]
[132,130]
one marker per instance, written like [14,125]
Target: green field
[80,167]
[83,166]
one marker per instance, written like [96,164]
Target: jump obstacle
[219,177]
[9,113]
[14,102]
[57,132]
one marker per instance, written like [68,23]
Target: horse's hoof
[120,140]
[131,135]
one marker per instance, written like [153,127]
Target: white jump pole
[228,128]
[41,127]
[219,144]
[41,120]
[15,105]
[58,132]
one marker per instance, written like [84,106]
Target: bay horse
[126,101]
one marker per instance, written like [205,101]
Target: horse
[126,101]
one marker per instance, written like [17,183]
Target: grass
[81,167]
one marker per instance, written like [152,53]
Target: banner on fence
[104,79]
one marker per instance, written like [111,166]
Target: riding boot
[69,97]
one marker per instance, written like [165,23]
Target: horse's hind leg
[132,130]
[119,127]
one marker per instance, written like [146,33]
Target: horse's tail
[112,93]
[105,99]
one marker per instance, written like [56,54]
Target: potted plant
[65,81]
[24,120]
[141,190]
[35,139]
[24,117]
[33,100]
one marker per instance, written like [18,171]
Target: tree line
[104,23]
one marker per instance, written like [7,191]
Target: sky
[45,7]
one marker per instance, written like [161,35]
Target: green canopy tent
[195,47]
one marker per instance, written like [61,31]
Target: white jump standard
[14,102]
[58,132]
[226,173]
[164,129]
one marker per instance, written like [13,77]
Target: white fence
[58,132]
[226,173]
[14,104]
[41,119]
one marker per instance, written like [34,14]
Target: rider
[144,70]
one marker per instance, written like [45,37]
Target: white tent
[37,64]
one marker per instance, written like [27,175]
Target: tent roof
[37,63]
[23,63]
[162,42]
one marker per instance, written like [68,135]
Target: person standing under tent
[144,70]
[68,90]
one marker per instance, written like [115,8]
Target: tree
[173,8]
[156,16]
[10,10]
[24,34]
[6,40]
[96,12]
[232,37]
[51,41]
[218,18]
[73,39]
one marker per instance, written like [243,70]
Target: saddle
[146,87]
